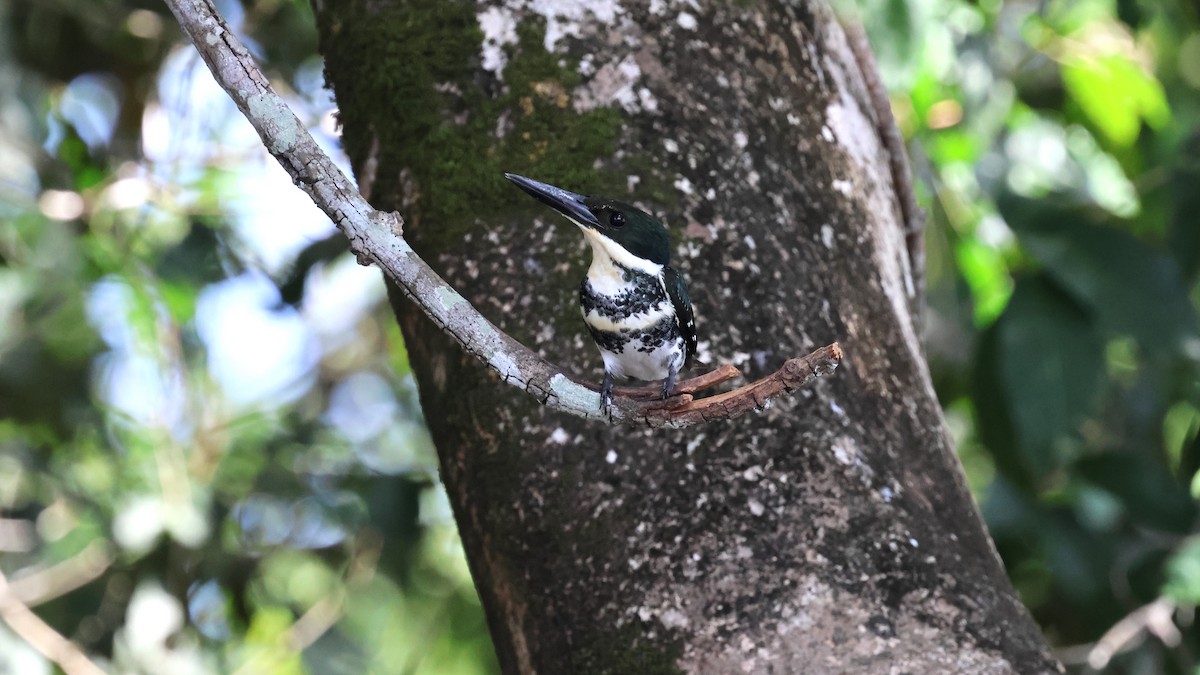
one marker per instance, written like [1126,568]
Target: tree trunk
[831,533]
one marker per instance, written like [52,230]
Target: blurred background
[212,457]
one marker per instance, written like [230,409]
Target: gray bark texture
[831,533]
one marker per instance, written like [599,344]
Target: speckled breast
[633,324]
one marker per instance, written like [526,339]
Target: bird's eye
[616,219]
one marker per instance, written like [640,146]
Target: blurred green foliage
[215,515]
[173,504]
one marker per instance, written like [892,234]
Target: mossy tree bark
[831,533]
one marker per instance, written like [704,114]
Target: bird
[635,305]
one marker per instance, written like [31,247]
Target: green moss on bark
[410,73]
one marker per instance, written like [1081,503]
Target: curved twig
[48,583]
[758,395]
[377,237]
[41,636]
[689,386]
[911,214]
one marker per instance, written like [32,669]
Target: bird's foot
[669,383]
[606,392]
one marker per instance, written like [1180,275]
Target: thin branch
[57,580]
[689,386]
[16,535]
[794,374]
[911,214]
[1154,618]
[377,237]
[47,641]
[316,621]
[328,610]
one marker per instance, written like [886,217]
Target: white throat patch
[605,252]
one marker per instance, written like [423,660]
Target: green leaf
[1009,511]
[954,145]
[179,300]
[1116,94]
[1131,13]
[984,269]
[1051,365]
[1183,573]
[196,259]
[266,642]
[1148,492]
[1184,235]
[1181,426]
[1079,562]
[993,420]
[1132,288]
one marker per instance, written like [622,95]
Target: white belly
[644,365]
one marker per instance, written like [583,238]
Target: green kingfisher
[634,303]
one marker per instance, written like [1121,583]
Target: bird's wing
[677,290]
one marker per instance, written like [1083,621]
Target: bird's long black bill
[567,203]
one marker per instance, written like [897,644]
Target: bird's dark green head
[631,228]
